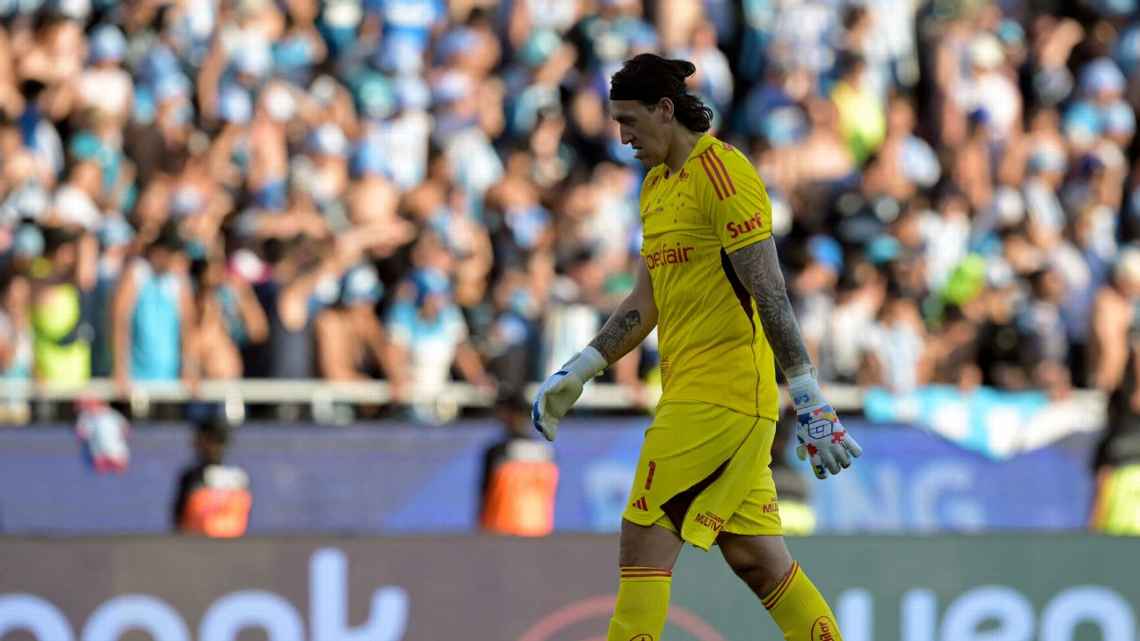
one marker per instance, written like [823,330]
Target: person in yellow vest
[213,499]
[520,476]
[62,281]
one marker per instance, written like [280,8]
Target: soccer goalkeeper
[710,281]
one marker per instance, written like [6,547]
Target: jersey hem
[737,410]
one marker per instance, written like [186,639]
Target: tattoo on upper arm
[759,269]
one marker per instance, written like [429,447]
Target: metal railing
[323,396]
[326,400]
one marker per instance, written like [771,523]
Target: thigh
[650,546]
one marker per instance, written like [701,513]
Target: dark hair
[168,238]
[647,78]
[214,429]
[56,237]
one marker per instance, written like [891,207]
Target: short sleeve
[401,323]
[456,326]
[733,194]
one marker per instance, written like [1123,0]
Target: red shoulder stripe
[730,189]
[713,175]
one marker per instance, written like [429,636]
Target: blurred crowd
[429,190]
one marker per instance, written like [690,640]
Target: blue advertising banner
[404,479]
[908,480]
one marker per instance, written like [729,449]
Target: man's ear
[665,109]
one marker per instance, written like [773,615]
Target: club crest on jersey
[736,229]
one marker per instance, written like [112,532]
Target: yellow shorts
[703,470]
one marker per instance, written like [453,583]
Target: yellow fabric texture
[712,345]
[687,444]
[642,605]
[800,610]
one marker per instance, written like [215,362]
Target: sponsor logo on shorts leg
[711,521]
[771,507]
[643,637]
[641,504]
[823,629]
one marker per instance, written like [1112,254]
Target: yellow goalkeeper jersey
[713,348]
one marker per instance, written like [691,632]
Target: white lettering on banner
[248,609]
[936,484]
[854,611]
[937,495]
[876,508]
[919,611]
[328,604]
[36,615]
[226,617]
[992,613]
[1012,611]
[1088,604]
[113,618]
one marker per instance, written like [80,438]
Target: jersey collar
[704,142]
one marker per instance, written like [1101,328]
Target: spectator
[894,347]
[153,316]
[105,86]
[16,353]
[1112,317]
[860,297]
[1116,345]
[1044,327]
[1006,354]
[814,289]
[520,477]
[352,342]
[429,334]
[115,239]
[60,311]
[861,114]
[212,499]
[954,352]
[301,280]
[227,319]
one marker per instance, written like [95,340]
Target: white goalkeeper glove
[563,388]
[822,437]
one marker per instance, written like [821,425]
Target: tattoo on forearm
[631,320]
[759,270]
[621,333]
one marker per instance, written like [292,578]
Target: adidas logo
[641,504]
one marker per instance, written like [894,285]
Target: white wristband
[804,389]
[586,364]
